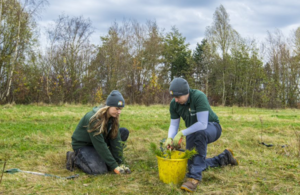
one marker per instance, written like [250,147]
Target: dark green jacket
[197,102]
[110,150]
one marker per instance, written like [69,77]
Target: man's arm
[174,125]
[202,118]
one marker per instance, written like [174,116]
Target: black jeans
[88,160]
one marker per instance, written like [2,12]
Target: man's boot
[70,161]
[226,158]
[190,185]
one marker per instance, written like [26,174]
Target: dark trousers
[199,140]
[88,160]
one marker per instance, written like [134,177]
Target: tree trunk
[223,95]
[206,83]
[1,3]
[14,60]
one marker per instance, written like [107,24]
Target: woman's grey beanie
[179,87]
[115,99]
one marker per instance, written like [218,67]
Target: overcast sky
[250,18]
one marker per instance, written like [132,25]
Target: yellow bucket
[172,170]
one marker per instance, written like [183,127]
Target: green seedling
[164,153]
[189,154]
[155,150]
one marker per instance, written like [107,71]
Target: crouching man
[202,128]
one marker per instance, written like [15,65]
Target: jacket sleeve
[80,136]
[116,148]
[103,150]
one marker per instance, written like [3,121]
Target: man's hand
[176,139]
[168,143]
[122,169]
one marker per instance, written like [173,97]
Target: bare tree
[222,35]
[129,57]
[16,34]
[66,61]
[283,61]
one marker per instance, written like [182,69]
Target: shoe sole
[186,189]
[69,163]
[233,155]
[230,151]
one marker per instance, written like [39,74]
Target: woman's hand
[122,169]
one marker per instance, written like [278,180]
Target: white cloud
[252,19]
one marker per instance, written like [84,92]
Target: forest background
[140,60]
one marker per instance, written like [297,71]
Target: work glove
[177,137]
[122,169]
[127,170]
[168,143]
[119,170]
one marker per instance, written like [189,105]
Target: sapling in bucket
[172,164]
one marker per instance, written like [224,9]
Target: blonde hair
[98,122]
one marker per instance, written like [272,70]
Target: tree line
[140,60]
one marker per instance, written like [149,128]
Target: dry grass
[37,137]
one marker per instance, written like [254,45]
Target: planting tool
[267,145]
[15,170]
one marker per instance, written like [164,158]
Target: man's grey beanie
[115,99]
[179,87]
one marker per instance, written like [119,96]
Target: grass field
[36,138]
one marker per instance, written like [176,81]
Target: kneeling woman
[97,139]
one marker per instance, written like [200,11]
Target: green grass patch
[36,138]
